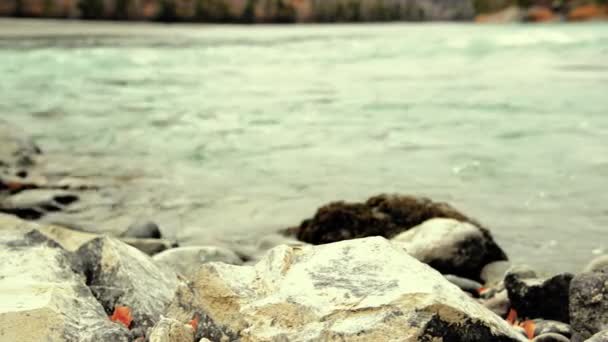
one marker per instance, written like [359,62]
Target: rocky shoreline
[392,268]
[306,11]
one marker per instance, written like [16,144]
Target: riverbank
[307,11]
[394,267]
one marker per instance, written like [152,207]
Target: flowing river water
[236,131]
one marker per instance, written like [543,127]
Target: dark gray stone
[544,326]
[540,297]
[143,230]
[550,337]
[589,304]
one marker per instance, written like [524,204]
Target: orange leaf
[194,322]
[122,314]
[529,327]
[512,316]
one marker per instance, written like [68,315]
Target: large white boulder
[358,290]
[42,299]
[121,275]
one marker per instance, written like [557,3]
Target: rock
[599,337]
[543,326]
[464,284]
[119,274]
[143,230]
[601,262]
[33,204]
[362,290]
[499,303]
[17,150]
[550,337]
[383,215]
[451,247]
[170,330]
[43,299]
[150,246]
[508,15]
[540,297]
[494,272]
[187,260]
[521,272]
[589,304]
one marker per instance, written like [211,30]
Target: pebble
[499,303]
[551,337]
[465,284]
[143,230]
[545,326]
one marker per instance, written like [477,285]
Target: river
[236,131]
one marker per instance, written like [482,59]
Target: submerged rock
[540,297]
[121,275]
[43,299]
[187,260]
[17,150]
[34,203]
[589,304]
[366,290]
[451,247]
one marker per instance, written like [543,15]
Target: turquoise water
[233,132]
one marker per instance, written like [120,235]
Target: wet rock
[43,299]
[551,337]
[383,215]
[540,297]
[544,326]
[499,303]
[599,337]
[589,304]
[599,263]
[494,272]
[187,260]
[451,247]
[121,275]
[143,230]
[521,272]
[17,150]
[464,284]
[366,289]
[150,246]
[170,330]
[33,204]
